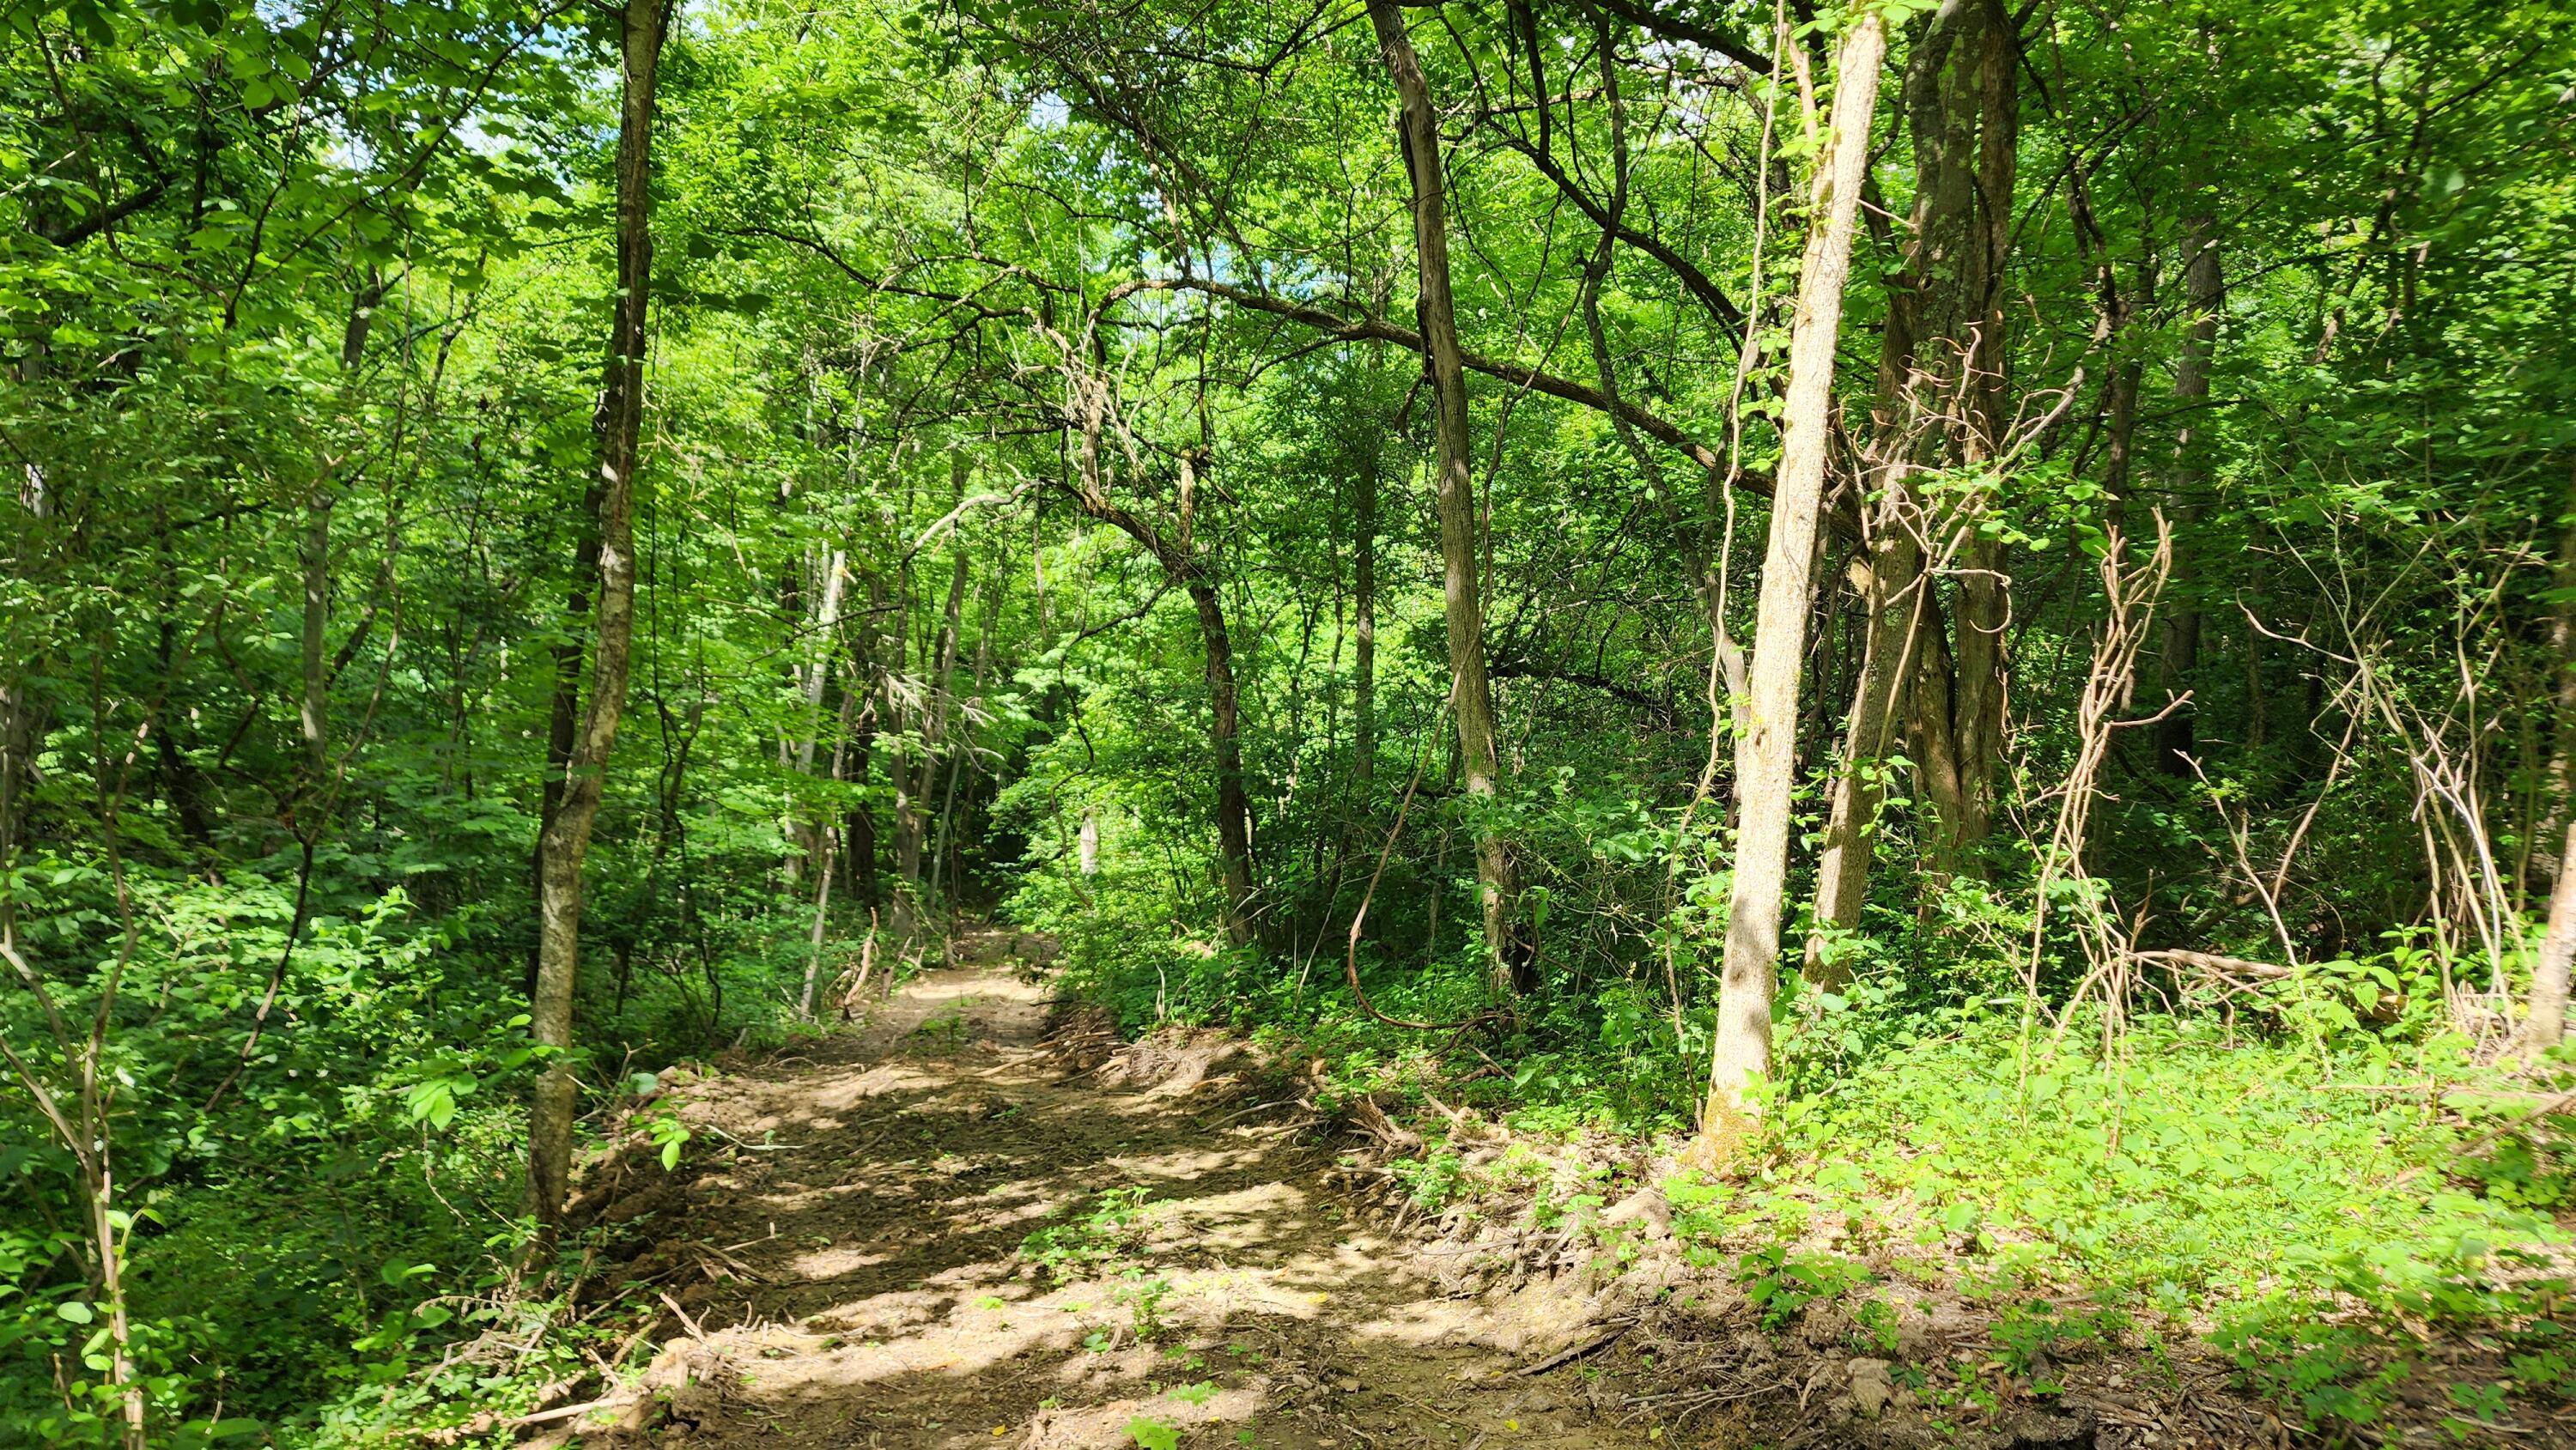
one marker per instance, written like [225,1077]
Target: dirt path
[857,1267]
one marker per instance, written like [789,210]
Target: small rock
[1903,1399]
[1872,1386]
[1646,1206]
[1825,1326]
[1916,1340]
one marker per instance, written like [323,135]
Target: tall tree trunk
[1940,387]
[1766,750]
[867,676]
[813,679]
[620,425]
[1364,622]
[1225,739]
[2560,787]
[916,775]
[313,556]
[1888,636]
[1985,610]
[2204,286]
[823,865]
[957,759]
[1509,955]
[2548,1020]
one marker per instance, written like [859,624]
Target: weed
[1105,1234]
[1432,1182]
[1780,1282]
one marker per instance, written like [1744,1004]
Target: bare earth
[851,1266]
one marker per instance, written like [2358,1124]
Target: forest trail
[860,1281]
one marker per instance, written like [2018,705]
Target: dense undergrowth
[350,1187]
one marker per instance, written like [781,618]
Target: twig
[695,1330]
[1568,1356]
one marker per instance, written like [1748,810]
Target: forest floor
[847,1260]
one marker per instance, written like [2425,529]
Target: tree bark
[1225,739]
[1364,622]
[2204,285]
[2547,1022]
[1940,389]
[860,824]
[1766,750]
[918,771]
[1891,592]
[813,679]
[1509,955]
[620,422]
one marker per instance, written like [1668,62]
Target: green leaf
[75,1311]
[1153,1434]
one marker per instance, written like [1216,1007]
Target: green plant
[1780,1281]
[1103,1234]
[1432,1181]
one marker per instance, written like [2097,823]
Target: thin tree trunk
[314,557]
[915,776]
[1766,752]
[823,866]
[2548,1020]
[1364,623]
[620,430]
[1225,738]
[1892,596]
[1939,393]
[966,746]
[2558,789]
[2204,286]
[860,824]
[1509,956]
[814,680]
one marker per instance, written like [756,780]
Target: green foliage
[1779,1281]
[1100,1237]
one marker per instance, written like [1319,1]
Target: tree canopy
[548,542]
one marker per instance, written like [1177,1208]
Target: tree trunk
[917,772]
[860,824]
[813,681]
[1509,956]
[1233,803]
[1766,750]
[823,864]
[1364,623]
[1878,703]
[1940,390]
[957,759]
[2548,1019]
[2204,286]
[620,430]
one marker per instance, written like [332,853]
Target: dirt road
[859,1271]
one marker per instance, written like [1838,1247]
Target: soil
[845,1259]
[856,1276]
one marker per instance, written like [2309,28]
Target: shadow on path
[855,1269]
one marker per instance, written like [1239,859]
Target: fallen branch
[1569,1356]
